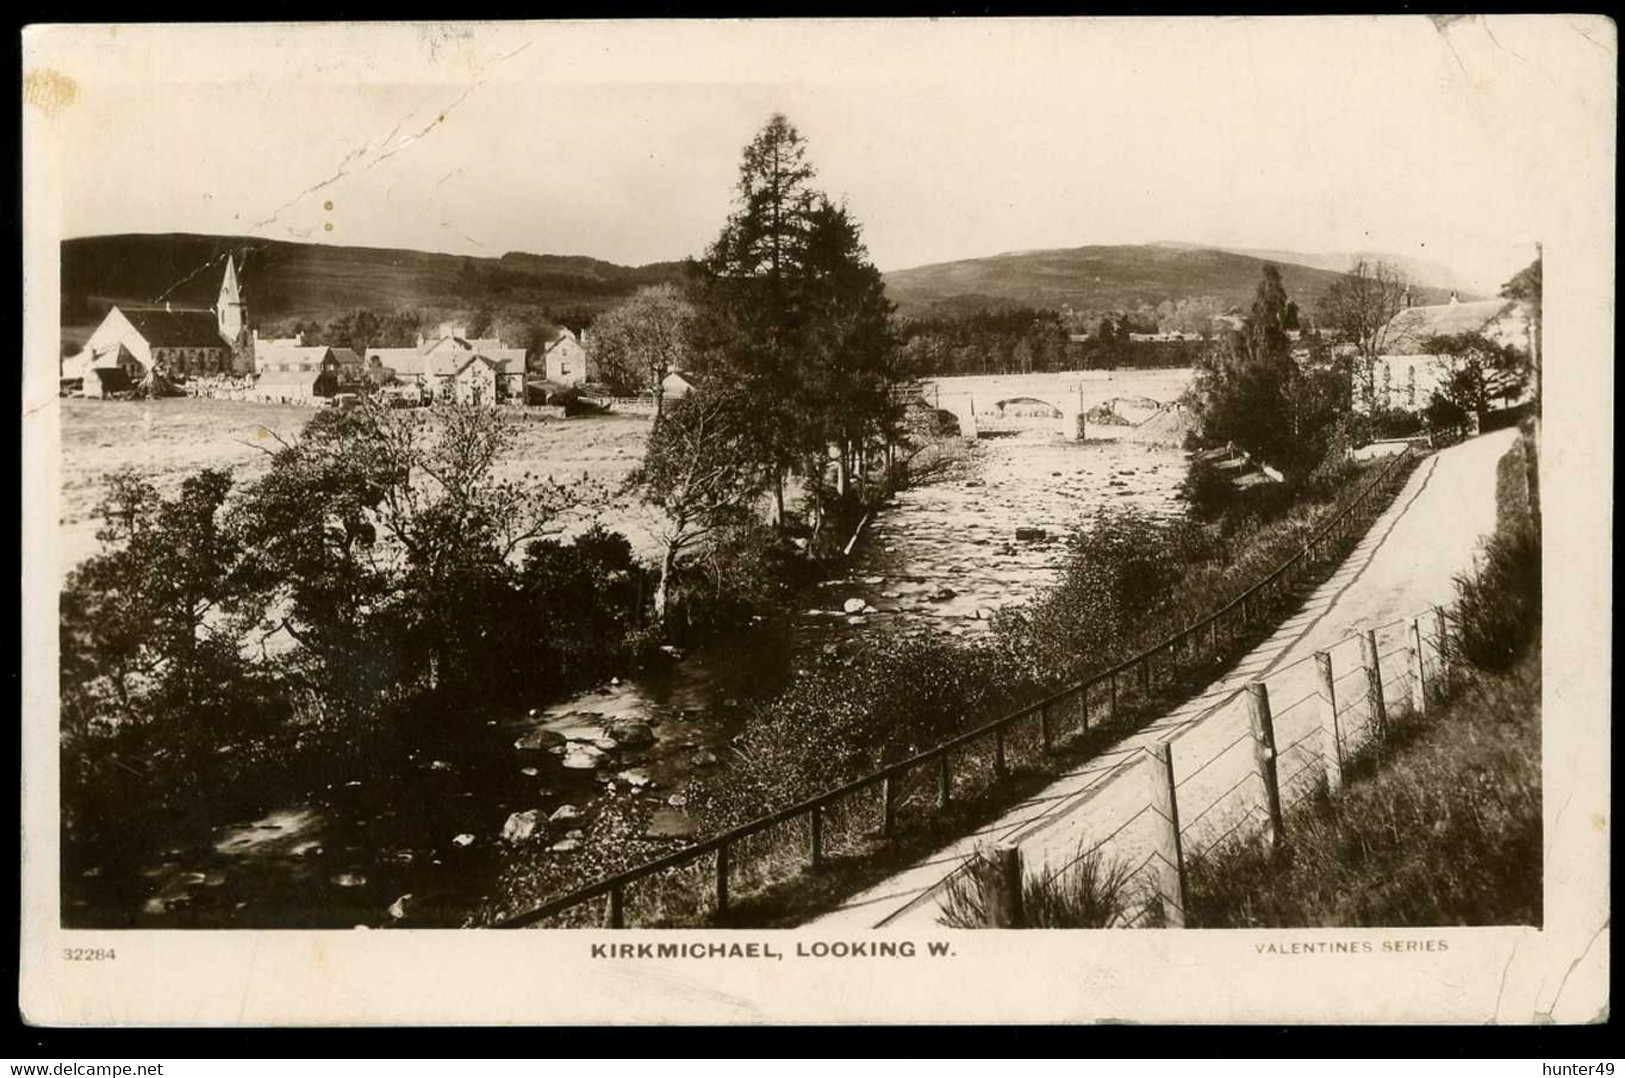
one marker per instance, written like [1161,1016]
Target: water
[937,559]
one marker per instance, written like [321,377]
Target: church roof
[1410,329]
[176,329]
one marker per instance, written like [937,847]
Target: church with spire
[138,347]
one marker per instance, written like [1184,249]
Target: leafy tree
[1477,370]
[162,611]
[699,469]
[1247,389]
[636,345]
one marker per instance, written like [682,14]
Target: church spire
[229,307]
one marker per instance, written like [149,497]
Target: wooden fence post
[1373,683]
[1044,733]
[888,813]
[1168,849]
[1002,883]
[1441,640]
[816,853]
[999,769]
[617,908]
[945,781]
[722,878]
[1419,675]
[1332,738]
[1113,713]
[1258,707]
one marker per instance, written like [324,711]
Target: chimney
[1407,299]
[166,307]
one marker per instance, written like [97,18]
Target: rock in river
[564,814]
[580,757]
[522,826]
[538,739]
[568,845]
[397,908]
[1031,535]
[631,734]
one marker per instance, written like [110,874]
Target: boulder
[522,826]
[705,758]
[439,765]
[464,839]
[942,595]
[580,757]
[984,613]
[636,777]
[349,879]
[397,908]
[632,734]
[529,772]
[564,814]
[604,744]
[568,845]
[853,606]
[1031,535]
[538,739]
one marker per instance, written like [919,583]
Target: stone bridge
[1060,410]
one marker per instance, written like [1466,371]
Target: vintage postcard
[989,520]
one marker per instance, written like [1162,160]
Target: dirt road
[1403,566]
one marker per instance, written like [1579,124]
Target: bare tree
[1360,307]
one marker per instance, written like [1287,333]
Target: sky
[947,139]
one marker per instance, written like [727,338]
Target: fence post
[1002,878]
[1332,738]
[1044,733]
[998,754]
[945,781]
[1373,683]
[1441,628]
[617,908]
[816,853]
[888,815]
[1112,715]
[1168,849]
[722,878]
[1258,707]
[1419,677]
[1145,676]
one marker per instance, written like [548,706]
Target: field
[167,440]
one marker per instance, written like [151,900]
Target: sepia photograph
[849,484]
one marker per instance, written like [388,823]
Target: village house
[451,365]
[1405,373]
[565,359]
[133,348]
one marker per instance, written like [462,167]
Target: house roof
[289,378]
[1409,330]
[347,357]
[176,329]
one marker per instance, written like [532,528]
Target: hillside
[1101,278]
[285,281]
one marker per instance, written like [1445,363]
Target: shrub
[1090,893]
[1499,606]
[1207,491]
[892,697]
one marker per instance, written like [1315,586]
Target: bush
[892,697]
[1120,574]
[1499,606]
[1091,893]
[1207,491]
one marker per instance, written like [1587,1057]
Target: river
[940,558]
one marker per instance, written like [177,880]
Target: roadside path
[1405,564]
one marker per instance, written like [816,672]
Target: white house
[566,360]
[1405,374]
[442,366]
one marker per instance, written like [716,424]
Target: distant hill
[285,281]
[1422,272]
[1102,278]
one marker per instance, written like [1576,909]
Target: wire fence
[1240,775]
[871,814]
